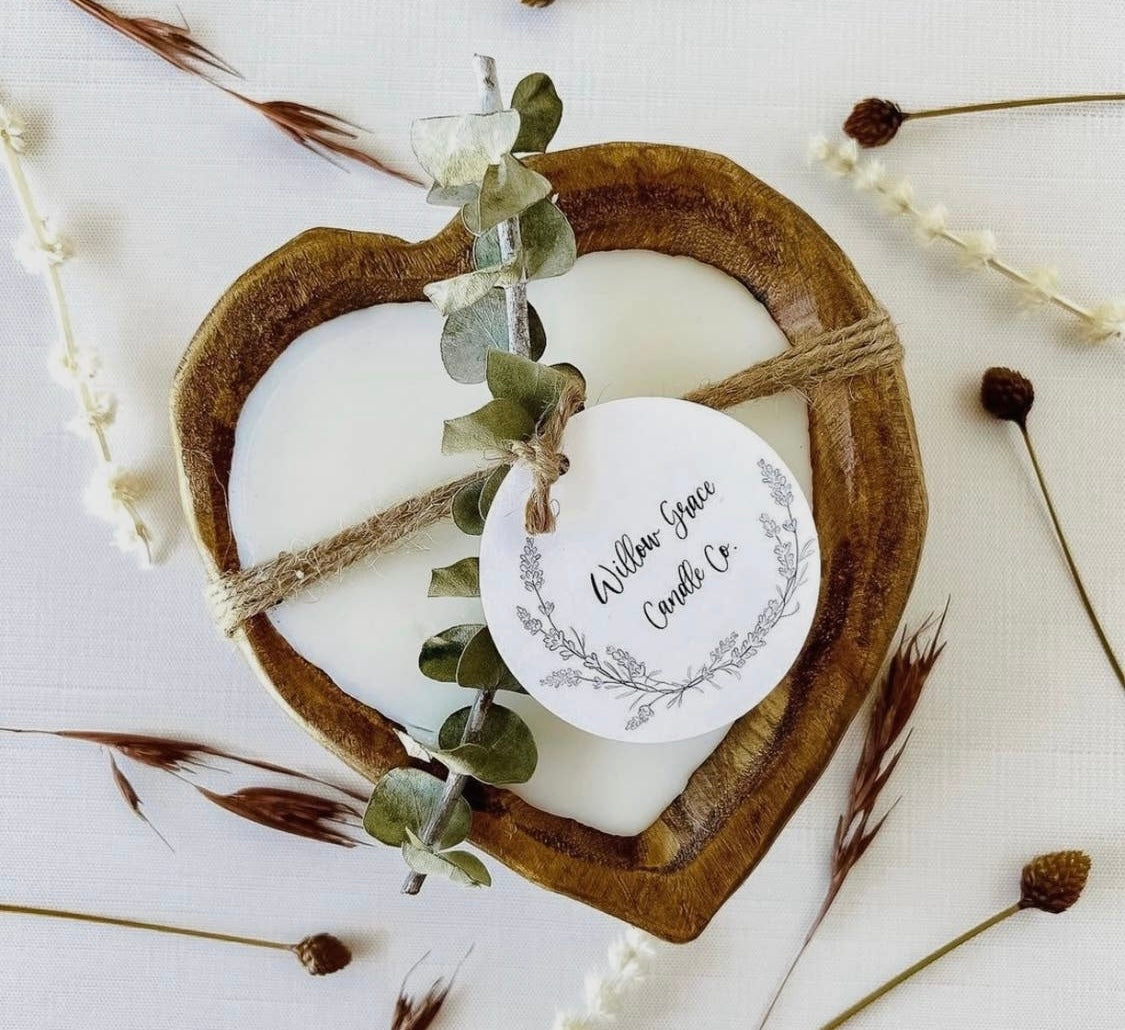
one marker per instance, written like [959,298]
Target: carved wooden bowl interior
[868,493]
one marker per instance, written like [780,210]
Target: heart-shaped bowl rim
[869,503]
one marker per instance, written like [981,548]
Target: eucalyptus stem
[1086,602]
[1002,105]
[906,974]
[134,924]
[515,296]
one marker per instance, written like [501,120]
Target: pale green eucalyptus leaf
[466,508]
[441,654]
[450,295]
[401,803]
[458,150]
[470,333]
[461,579]
[461,867]
[548,246]
[489,428]
[540,112]
[453,196]
[491,485]
[482,668]
[503,752]
[507,189]
[533,386]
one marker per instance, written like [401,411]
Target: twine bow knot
[542,456]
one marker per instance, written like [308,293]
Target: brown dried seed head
[537,3]
[1006,394]
[874,122]
[322,954]
[1052,883]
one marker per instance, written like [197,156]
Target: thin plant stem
[519,342]
[66,330]
[1002,105]
[906,974]
[454,787]
[134,924]
[788,974]
[1086,603]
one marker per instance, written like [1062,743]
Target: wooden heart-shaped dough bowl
[868,492]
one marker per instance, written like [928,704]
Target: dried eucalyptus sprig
[1007,395]
[490,333]
[321,132]
[298,812]
[875,122]
[1049,883]
[975,249]
[320,954]
[898,695]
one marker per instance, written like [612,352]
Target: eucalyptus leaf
[466,509]
[503,752]
[402,802]
[450,295]
[548,247]
[453,196]
[461,867]
[488,428]
[458,150]
[491,485]
[461,579]
[470,333]
[441,654]
[507,189]
[533,386]
[482,668]
[540,112]
[412,747]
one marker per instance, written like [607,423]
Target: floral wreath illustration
[629,678]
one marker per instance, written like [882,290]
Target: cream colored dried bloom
[1042,285]
[70,366]
[11,130]
[109,491]
[97,416]
[870,175]
[1106,320]
[931,224]
[978,248]
[898,197]
[39,251]
[842,159]
[818,149]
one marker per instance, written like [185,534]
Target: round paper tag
[679,584]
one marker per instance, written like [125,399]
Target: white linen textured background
[170,191]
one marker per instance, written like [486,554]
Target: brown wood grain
[868,493]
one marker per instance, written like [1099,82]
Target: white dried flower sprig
[628,960]
[975,249]
[113,492]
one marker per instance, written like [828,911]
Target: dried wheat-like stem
[289,811]
[172,43]
[417,1012]
[898,694]
[318,131]
[976,249]
[113,491]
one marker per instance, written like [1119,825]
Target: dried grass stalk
[897,697]
[412,1012]
[319,131]
[290,811]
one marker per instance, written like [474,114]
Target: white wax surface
[328,437]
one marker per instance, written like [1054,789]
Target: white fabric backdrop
[170,191]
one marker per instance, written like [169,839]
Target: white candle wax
[349,420]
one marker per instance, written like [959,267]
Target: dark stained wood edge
[869,503]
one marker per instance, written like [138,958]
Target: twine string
[863,347]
